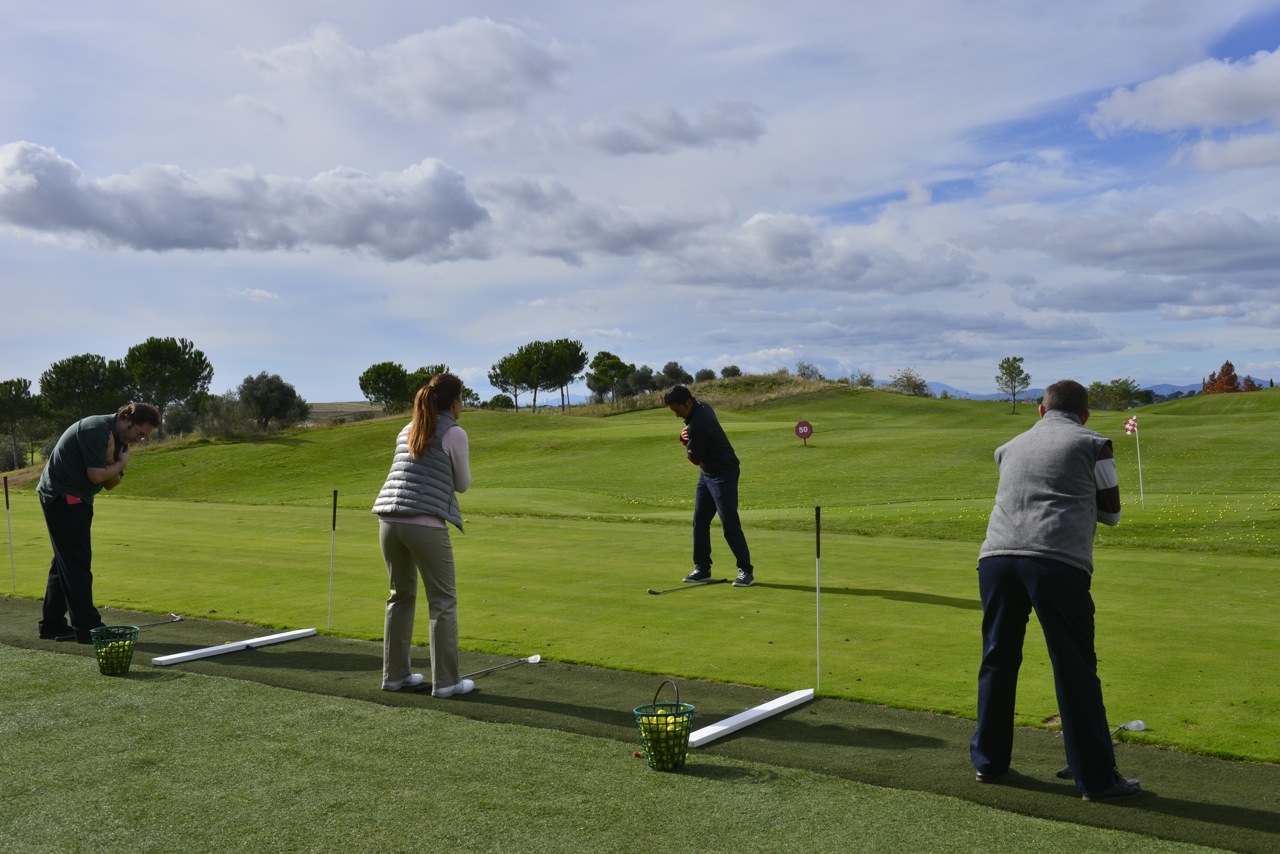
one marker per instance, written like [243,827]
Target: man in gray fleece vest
[1057,481]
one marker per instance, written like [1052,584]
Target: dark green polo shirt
[82,446]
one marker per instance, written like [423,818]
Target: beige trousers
[410,551]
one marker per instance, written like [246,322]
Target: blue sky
[308,188]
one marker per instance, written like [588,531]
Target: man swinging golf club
[707,447]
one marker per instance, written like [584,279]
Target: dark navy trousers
[1011,586]
[718,495]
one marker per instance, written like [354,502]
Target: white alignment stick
[745,719]
[267,640]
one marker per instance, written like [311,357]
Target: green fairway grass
[171,760]
[572,518]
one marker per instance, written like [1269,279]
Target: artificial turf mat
[1187,798]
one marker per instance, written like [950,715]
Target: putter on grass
[689,586]
[173,618]
[533,659]
[1065,771]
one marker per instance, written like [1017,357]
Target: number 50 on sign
[804,430]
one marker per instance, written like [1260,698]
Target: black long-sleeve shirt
[708,446]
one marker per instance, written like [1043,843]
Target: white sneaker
[410,681]
[463,687]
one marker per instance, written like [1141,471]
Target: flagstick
[9,522]
[333,544]
[817,592]
[1137,443]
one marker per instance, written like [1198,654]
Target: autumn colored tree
[1222,382]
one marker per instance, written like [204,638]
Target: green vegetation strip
[571,519]
[213,754]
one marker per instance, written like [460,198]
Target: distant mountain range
[1162,389]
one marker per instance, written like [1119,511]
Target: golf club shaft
[497,667]
[173,618]
[689,586]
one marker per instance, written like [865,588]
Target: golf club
[533,659]
[689,586]
[173,618]
[1065,771]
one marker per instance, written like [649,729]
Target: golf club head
[1133,726]
[534,659]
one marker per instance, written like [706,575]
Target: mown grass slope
[571,519]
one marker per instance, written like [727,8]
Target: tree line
[1123,393]
[169,373]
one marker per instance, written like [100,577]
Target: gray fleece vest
[1047,500]
[417,486]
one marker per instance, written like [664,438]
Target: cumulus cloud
[473,65]
[543,217]
[1170,243]
[424,212]
[789,251]
[662,130]
[1244,151]
[1209,94]
[1182,266]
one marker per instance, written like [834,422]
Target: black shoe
[1121,788]
[745,578]
[989,776]
[61,635]
[699,574]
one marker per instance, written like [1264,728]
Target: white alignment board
[745,719]
[236,646]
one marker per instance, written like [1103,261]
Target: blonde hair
[431,399]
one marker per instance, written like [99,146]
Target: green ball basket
[113,646]
[664,731]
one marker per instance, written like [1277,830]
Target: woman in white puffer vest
[414,507]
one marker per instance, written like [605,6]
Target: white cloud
[1171,243]
[470,66]
[662,130]
[543,217]
[254,294]
[1242,151]
[1209,94]
[256,107]
[423,212]
[917,184]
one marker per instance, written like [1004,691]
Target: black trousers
[70,586]
[1011,587]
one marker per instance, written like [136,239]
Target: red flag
[1131,426]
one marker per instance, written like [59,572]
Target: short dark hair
[140,413]
[1068,396]
[677,394]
